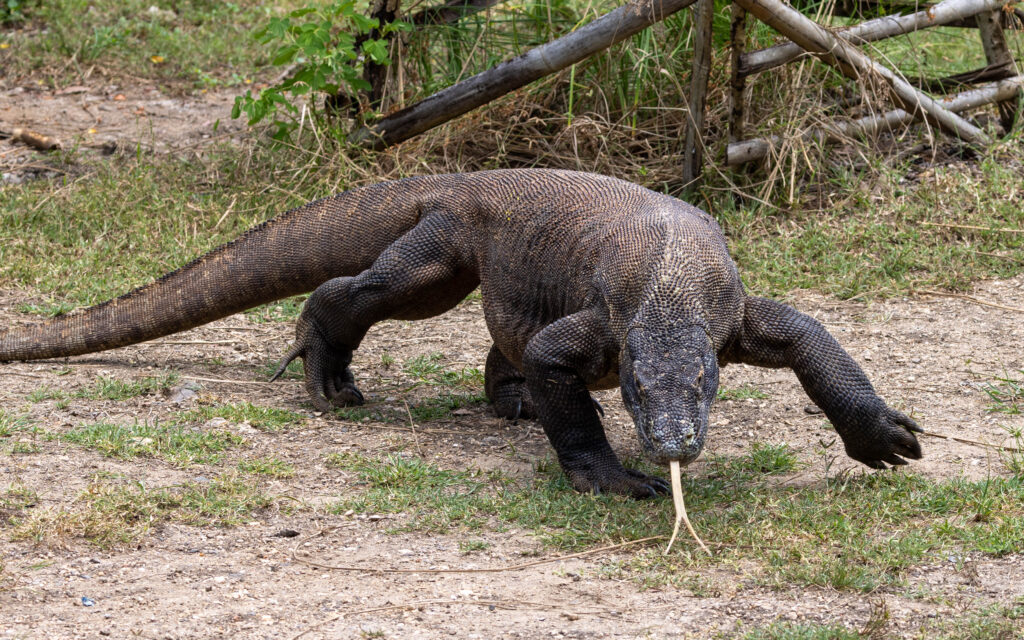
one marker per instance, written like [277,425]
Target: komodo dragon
[587,282]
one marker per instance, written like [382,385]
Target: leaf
[377,50]
[284,55]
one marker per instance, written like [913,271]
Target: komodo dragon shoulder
[587,282]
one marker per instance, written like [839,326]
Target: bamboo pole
[738,153]
[878,29]
[514,73]
[854,64]
[693,161]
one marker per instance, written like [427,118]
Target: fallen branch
[449,103]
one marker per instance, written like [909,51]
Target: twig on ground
[976,443]
[950,225]
[984,303]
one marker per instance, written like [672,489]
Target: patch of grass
[119,514]
[996,622]
[273,467]
[106,388]
[262,418]
[473,546]
[181,446]
[802,631]
[442,406]
[292,372]
[197,41]
[860,534]
[286,310]
[21,447]
[1007,395]
[878,243]
[15,499]
[744,392]
[12,424]
[764,458]
[430,369]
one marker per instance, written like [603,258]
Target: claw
[597,405]
[518,411]
[595,489]
[293,353]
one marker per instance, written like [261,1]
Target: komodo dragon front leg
[776,335]
[506,387]
[420,275]
[558,363]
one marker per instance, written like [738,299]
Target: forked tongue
[677,499]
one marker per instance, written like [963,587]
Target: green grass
[861,534]
[119,514]
[273,467]
[442,406]
[745,392]
[1006,394]
[181,446]
[802,631]
[107,388]
[207,44]
[262,418]
[430,369]
[12,424]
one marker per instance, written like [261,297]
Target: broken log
[738,153]
[854,64]
[993,40]
[512,74]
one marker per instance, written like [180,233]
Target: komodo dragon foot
[329,381]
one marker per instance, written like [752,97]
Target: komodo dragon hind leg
[558,362]
[422,274]
[506,388]
[776,335]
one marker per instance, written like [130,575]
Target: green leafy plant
[328,46]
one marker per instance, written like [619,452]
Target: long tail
[291,254]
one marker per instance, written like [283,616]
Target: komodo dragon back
[291,254]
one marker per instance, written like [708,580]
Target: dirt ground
[929,356]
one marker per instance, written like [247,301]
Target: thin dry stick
[972,226]
[974,442]
[677,499]
[226,380]
[412,427]
[984,303]
[507,568]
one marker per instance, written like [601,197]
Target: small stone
[813,410]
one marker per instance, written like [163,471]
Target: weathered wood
[878,29]
[693,159]
[998,53]
[451,12]
[512,74]
[758,148]
[958,81]
[737,80]
[854,64]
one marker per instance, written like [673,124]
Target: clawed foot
[621,480]
[886,439]
[328,381]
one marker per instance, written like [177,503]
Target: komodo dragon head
[669,378]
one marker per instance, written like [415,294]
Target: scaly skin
[588,282]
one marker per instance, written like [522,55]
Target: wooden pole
[854,64]
[738,153]
[879,29]
[998,53]
[512,74]
[737,80]
[693,160]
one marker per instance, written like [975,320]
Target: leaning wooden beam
[693,149]
[854,64]
[993,40]
[738,153]
[613,27]
[872,30]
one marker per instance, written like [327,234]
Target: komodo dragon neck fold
[584,279]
